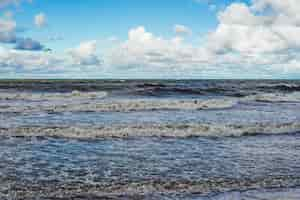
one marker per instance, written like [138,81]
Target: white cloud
[283,12]
[40,20]
[253,29]
[39,63]
[145,50]
[182,30]
[239,14]
[7,30]
[245,39]
[27,61]
[85,54]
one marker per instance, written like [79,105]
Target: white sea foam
[155,130]
[29,96]
[141,105]
[124,106]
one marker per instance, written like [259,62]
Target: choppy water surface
[147,168]
[150,140]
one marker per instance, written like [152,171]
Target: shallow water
[150,140]
[147,167]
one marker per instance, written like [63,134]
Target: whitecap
[29,96]
[155,130]
[122,106]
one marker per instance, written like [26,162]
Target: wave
[124,106]
[77,101]
[29,96]
[217,88]
[146,105]
[276,97]
[154,130]
[284,87]
[96,102]
[236,88]
[164,90]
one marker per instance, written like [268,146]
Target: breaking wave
[29,96]
[154,130]
[144,105]
[125,106]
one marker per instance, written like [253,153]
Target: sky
[172,39]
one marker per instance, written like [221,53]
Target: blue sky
[149,39]
[94,19]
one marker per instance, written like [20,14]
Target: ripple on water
[146,167]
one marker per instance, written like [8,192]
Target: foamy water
[29,96]
[150,140]
[150,168]
[154,130]
[125,105]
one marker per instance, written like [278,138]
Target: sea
[150,139]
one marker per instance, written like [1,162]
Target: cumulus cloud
[40,63]
[262,35]
[266,26]
[283,12]
[29,61]
[145,50]
[40,20]
[85,54]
